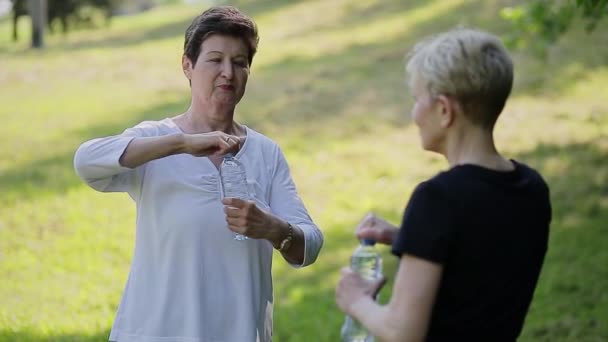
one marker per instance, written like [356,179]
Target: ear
[187,66]
[447,109]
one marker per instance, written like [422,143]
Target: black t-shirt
[489,231]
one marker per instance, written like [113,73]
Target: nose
[227,69]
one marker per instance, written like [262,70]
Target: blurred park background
[328,86]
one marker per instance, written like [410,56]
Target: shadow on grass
[578,178]
[55,175]
[254,8]
[135,37]
[533,75]
[570,303]
[169,30]
[9,336]
[365,83]
[112,40]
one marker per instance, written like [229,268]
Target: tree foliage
[540,23]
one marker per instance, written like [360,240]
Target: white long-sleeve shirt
[190,281]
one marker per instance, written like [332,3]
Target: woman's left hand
[245,218]
[353,287]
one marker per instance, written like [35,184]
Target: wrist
[359,305]
[390,234]
[283,236]
[179,143]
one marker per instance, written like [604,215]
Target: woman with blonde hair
[473,238]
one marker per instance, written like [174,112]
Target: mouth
[226,87]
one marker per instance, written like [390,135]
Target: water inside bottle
[234,182]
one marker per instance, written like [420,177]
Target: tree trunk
[38,13]
[64,23]
[15,19]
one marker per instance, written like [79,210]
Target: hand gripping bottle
[367,262]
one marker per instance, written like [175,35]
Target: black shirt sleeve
[425,227]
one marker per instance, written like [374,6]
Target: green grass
[328,85]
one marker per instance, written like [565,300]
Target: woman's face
[220,74]
[425,116]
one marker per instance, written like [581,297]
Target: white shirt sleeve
[97,161]
[286,203]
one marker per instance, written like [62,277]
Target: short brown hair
[471,65]
[226,20]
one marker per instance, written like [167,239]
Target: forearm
[391,322]
[407,316]
[145,149]
[376,318]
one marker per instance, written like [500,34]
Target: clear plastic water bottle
[234,182]
[366,261]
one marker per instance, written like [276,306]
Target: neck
[199,120]
[474,146]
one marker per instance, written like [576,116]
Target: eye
[241,63]
[215,60]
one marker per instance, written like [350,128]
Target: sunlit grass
[327,84]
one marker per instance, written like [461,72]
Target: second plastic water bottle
[367,262]
[234,182]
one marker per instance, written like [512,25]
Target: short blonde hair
[469,65]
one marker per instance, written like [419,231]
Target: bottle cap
[368,242]
[229,155]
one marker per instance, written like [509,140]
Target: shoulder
[437,184]
[260,138]
[451,177]
[530,174]
[433,185]
[262,143]
[428,194]
[433,195]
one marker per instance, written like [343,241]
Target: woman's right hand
[376,228]
[206,144]
[144,149]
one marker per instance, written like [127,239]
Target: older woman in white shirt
[190,280]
